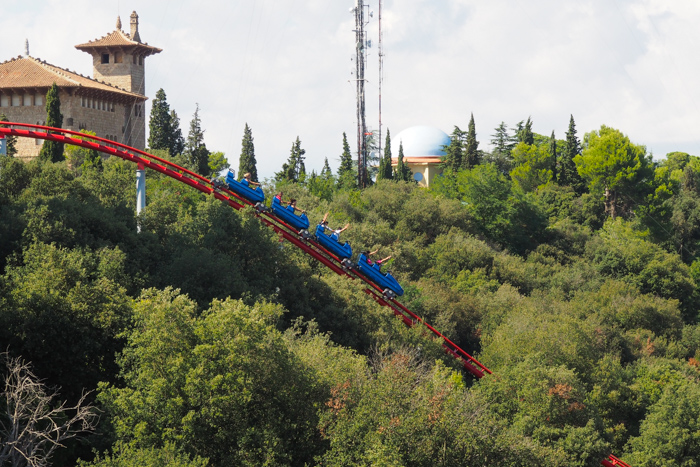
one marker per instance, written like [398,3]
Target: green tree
[10,141]
[196,152]
[222,385]
[294,169]
[567,175]
[472,156]
[52,150]
[502,146]
[177,141]
[402,171]
[160,128]
[347,177]
[326,171]
[615,168]
[246,162]
[553,155]
[525,134]
[217,162]
[454,152]
[532,166]
[385,168]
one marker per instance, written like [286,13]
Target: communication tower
[361,43]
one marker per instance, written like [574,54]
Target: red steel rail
[308,245]
[613,461]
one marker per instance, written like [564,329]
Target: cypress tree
[553,153]
[247,163]
[385,171]
[471,156]
[196,152]
[52,150]
[177,141]
[160,124]
[524,133]
[568,175]
[402,170]
[10,141]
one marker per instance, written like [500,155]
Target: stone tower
[119,58]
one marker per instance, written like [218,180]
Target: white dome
[421,141]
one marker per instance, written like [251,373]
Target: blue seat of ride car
[287,214]
[331,243]
[256,195]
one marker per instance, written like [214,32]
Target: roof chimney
[119,23]
[26,47]
[135,27]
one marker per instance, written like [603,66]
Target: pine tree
[346,172]
[247,163]
[454,152]
[402,170]
[568,175]
[294,169]
[471,157]
[177,141]
[385,171]
[160,124]
[553,153]
[326,171]
[10,141]
[503,146]
[196,152]
[52,150]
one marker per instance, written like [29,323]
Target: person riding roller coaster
[336,232]
[378,262]
[247,181]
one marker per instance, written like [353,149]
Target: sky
[285,67]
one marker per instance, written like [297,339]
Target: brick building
[111,104]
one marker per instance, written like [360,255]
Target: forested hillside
[568,268]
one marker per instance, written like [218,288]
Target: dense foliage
[208,341]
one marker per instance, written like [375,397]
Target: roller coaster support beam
[140,190]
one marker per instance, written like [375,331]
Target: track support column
[140,191]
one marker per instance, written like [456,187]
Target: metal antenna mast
[381,77]
[360,60]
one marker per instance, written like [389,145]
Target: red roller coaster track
[309,246]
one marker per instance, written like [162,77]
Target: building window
[140,60]
[4,101]
[38,99]
[118,57]
[27,100]
[15,100]
[105,58]
[133,57]
[69,121]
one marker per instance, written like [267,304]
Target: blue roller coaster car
[330,243]
[384,280]
[287,215]
[242,188]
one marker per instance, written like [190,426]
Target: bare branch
[32,426]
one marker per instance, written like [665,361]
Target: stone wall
[117,122]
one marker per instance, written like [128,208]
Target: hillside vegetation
[205,340]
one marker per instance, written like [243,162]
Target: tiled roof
[29,72]
[418,160]
[118,38]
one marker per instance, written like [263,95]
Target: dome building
[423,150]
